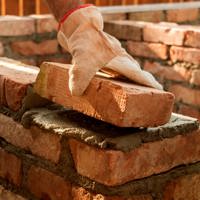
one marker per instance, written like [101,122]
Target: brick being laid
[119,103]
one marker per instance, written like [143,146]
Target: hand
[81,33]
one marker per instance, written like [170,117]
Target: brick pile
[59,154]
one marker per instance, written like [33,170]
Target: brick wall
[52,153]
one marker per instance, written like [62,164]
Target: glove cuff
[68,13]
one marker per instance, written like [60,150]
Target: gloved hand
[81,33]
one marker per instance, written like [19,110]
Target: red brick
[187,187]
[28,48]
[128,103]
[189,111]
[79,193]
[15,78]
[192,38]
[148,50]
[186,95]
[114,16]
[10,167]
[191,55]
[124,29]
[149,16]
[183,70]
[162,72]
[163,33]
[112,167]
[8,195]
[36,140]
[45,23]
[195,79]
[182,15]
[16,26]
[46,185]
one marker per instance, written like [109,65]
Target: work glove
[81,33]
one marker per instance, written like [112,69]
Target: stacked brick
[169,51]
[59,154]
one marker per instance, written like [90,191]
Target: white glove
[81,34]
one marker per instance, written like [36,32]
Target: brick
[128,103]
[35,140]
[162,72]
[29,48]
[10,167]
[189,111]
[150,16]
[195,78]
[8,195]
[46,185]
[45,23]
[182,15]
[114,16]
[79,193]
[112,167]
[185,94]
[127,30]
[187,187]
[16,26]
[192,38]
[15,78]
[183,70]
[160,33]
[1,49]
[148,50]
[191,55]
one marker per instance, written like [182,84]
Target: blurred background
[26,7]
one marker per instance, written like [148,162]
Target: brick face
[186,95]
[171,35]
[28,48]
[46,185]
[10,167]
[148,50]
[81,194]
[189,111]
[187,187]
[154,16]
[162,72]
[39,142]
[182,15]
[16,26]
[191,55]
[124,30]
[192,38]
[115,167]
[114,16]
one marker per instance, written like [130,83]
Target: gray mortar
[103,135]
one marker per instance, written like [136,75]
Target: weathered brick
[148,50]
[28,48]
[45,23]
[115,167]
[191,55]
[185,94]
[16,26]
[183,70]
[79,193]
[46,185]
[182,15]
[189,111]
[149,16]
[114,16]
[162,72]
[195,78]
[36,140]
[7,195]
[187,187]
[167,34]
[15,78]
[124,29]
[127,102]
[192,38]
[10,167]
